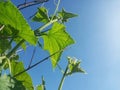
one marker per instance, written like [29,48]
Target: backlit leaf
[24,77]
[4,45]
[66,15]
[56,39]
[11,16]
[41,15]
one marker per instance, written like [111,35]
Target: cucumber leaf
[4,45]
[56,39]
[11,16]
[25,78]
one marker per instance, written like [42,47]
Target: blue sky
[96,32]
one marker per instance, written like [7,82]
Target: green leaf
[18,85]
[55,40]
[74,66]
[9,83]
[11,16]
[26,80]
[41,15]
[66,15]
[4,45]
[8,31]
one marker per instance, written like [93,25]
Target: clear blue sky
[96,32]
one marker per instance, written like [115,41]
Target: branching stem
[28,4]
[32,57]
[46,58]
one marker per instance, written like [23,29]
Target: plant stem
[38,63]
[32,57]
[46,25]
[28,4]
[56,10]
[2,27]
[63,78]
[36,32]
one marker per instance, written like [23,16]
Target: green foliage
[15,20]
[66,15]
[18,85]
[41,15]
[9,83]
[15,32]
[2,58]
[26,80]
[56,39]
[6,83]
[4,45]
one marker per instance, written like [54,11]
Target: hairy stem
[46,25]
[56,9]
[63,78]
